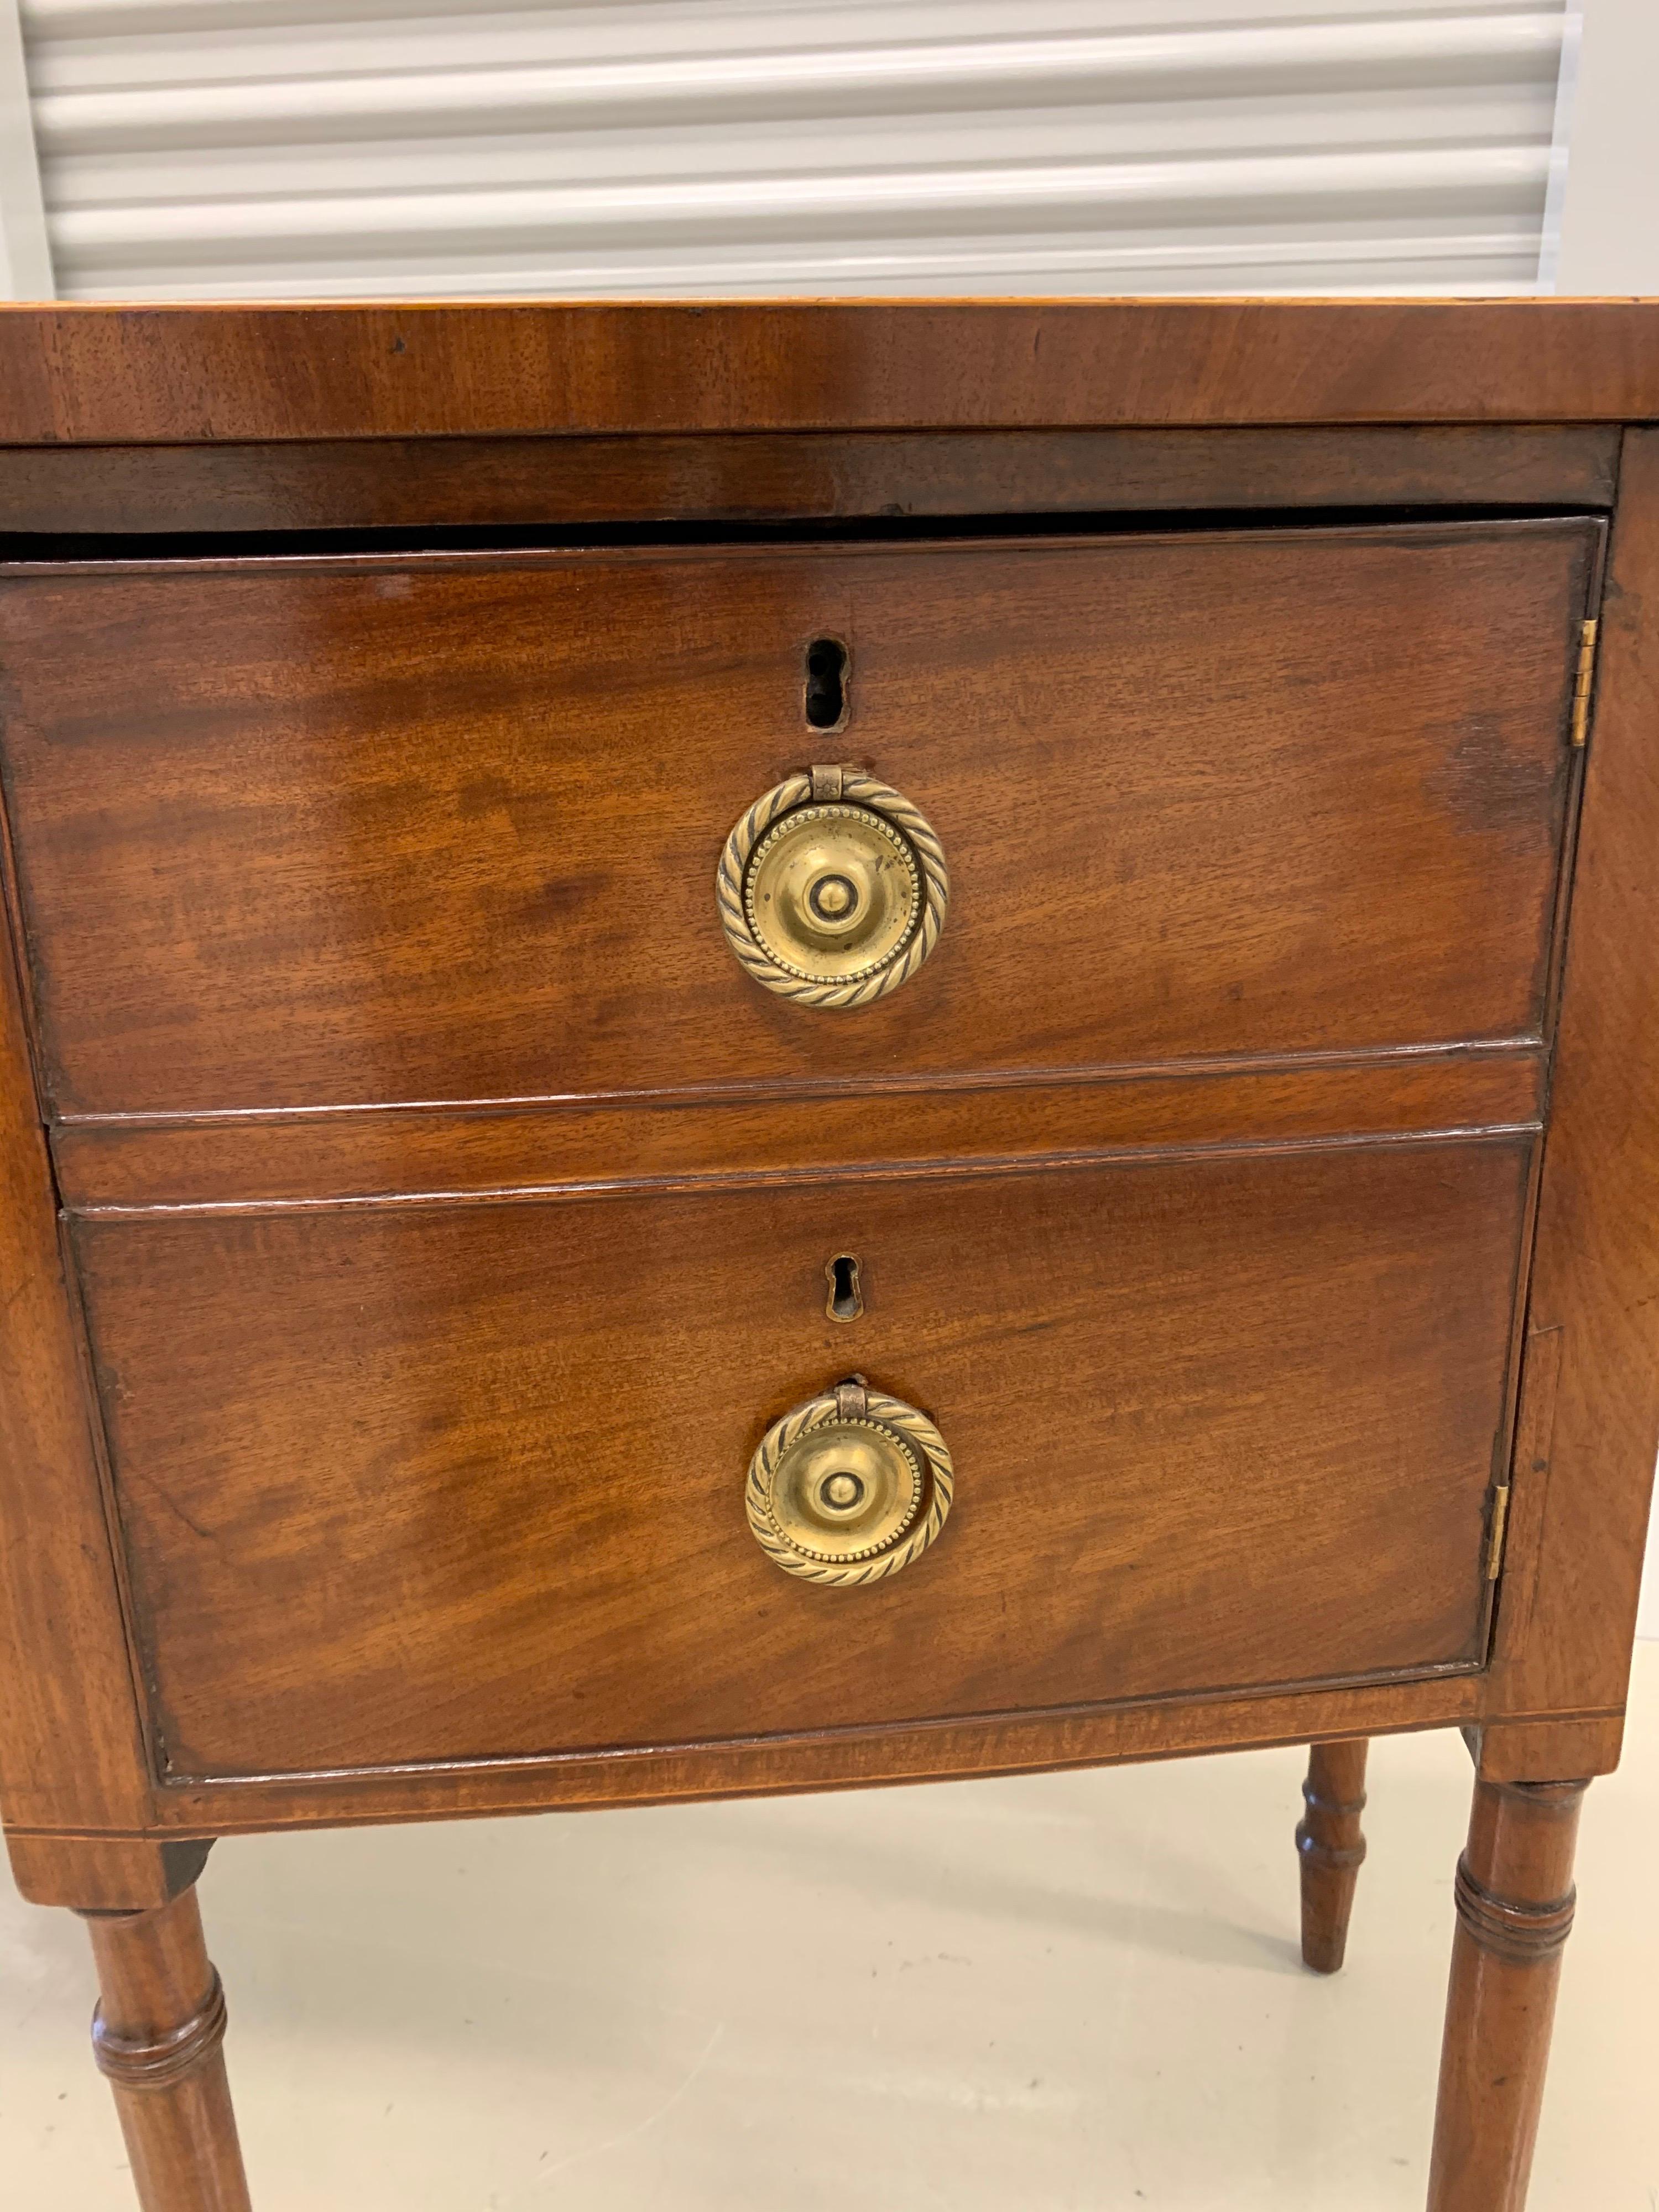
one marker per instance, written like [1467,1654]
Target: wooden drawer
[445,827]
[453,1481]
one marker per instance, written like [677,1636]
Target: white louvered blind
[245,148]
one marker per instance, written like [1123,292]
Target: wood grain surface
[839,1759]
[428,484]
[1584,1484]
[1515,1901]
[345,832]
[101,374]
[321,1159]
[159,2036]
[1330,1846]
[104,1870]
[467,1482]
[70,1749]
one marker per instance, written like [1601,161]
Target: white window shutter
[266,149]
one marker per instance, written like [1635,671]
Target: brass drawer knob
[832,888]
[850,1486]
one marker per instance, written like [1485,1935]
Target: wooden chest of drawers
[759,1049]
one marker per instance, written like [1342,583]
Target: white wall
[1610,205]
[25,264]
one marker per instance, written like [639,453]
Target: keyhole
[846,1300]
[826,683]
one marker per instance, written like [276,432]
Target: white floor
[1035,1995]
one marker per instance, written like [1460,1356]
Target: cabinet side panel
[1566,1642]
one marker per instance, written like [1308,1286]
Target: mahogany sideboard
[770,1047]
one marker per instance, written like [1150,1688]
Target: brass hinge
[1581,689]
[1500,1514]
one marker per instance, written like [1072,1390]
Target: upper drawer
[350,829]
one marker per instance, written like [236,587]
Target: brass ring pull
[832,888]
[849,1487]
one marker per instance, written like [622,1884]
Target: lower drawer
[448,1481]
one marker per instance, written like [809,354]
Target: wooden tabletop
[97,375]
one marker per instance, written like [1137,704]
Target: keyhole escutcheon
[846,1299]
[826,683]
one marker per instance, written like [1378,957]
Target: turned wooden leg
[1332,1849]
[1515,1899]
[157,2034]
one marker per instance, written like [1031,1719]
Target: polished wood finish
[139,374]
[1331,1848]
[445,1217]
[1566,1622]
[103,1873]
[311,1159]
[1515,1906]
[157,2037]
[71,1750]
[845,1758]
[429,484]
[433,1483]
[1520,1750]
[349,832]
